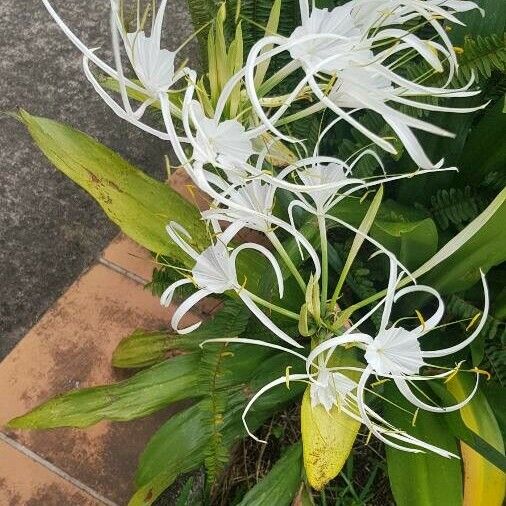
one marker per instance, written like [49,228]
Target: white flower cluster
[236,149]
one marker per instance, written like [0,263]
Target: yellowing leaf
[327,439]
[484,483]
[137,203]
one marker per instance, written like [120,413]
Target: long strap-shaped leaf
[142,394]
[137,203]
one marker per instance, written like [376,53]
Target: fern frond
[455,206]
[495,180]
[481,56]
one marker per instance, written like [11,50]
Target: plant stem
[325,260]
[273,307]
[288,261]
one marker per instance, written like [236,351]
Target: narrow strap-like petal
[408,394]
[257,342]
[266,388]
[175,230]
[483,320]
[184,308]
[267,254]
[243,294]
[168,294]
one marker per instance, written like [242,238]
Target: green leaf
[422,479]
[484,483]
[481,245]
[177,447]
[183,443]
[407,232]
[281,484]
[359,239]
[144,348]
[137,203]
[485,149]
[142,394]
[466,435]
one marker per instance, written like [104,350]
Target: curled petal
[257,342]
[244,295]
[332,343]
[168,294]
[175,230]
[267,254]
[184,308]
[472,337]
[406,391]
[434,320]
[266,388]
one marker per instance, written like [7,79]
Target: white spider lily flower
[215,272]
[254,195]
[374,14]
[340,43]
[346,36]
[330,389]
[153,66]
[396,353]
[224,144]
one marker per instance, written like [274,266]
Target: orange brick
[25,482]
[71,347]
[126,254]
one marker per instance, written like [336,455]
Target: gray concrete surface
[50,230]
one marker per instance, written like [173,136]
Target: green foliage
[281,483]
[144,393]
[481,56]
[138,204]
[222,372]
[177,447]
[144,348]
[482,245]
[455,206]
[422,479]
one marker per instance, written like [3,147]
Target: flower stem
[288,261]
[325,260]
[273,307]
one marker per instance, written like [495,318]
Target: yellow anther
[415,416]
[421,318]
[287,376]
[453,373]
[482,371]
[473,321]
[227,354]
[458,50]
[379,382]
[243,286]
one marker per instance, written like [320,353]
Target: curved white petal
[265,388]
[408,394]
[168,294]
[257,342]
[174,230]
[244,295]
[116,107]
[332,343]
[267,254]
[474,335]
[434,320]
[184,308]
